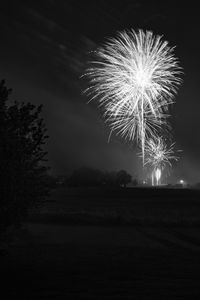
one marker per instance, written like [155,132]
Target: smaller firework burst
[158,156]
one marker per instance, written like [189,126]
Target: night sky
[45,46]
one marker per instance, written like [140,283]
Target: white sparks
[158,156]
[135,77]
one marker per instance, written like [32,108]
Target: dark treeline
[86,176]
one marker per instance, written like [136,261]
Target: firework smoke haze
[134,77]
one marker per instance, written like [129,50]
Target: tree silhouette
[123,178]
[22,157]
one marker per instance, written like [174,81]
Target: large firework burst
[134,76]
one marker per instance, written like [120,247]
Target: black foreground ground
[111,244]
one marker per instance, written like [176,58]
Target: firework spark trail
[134,77]
[127,125]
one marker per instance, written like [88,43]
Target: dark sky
[44,49]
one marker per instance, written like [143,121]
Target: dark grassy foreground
[107,244]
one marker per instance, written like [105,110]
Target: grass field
[108,244]
[155,207]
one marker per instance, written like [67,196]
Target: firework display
[134,76]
